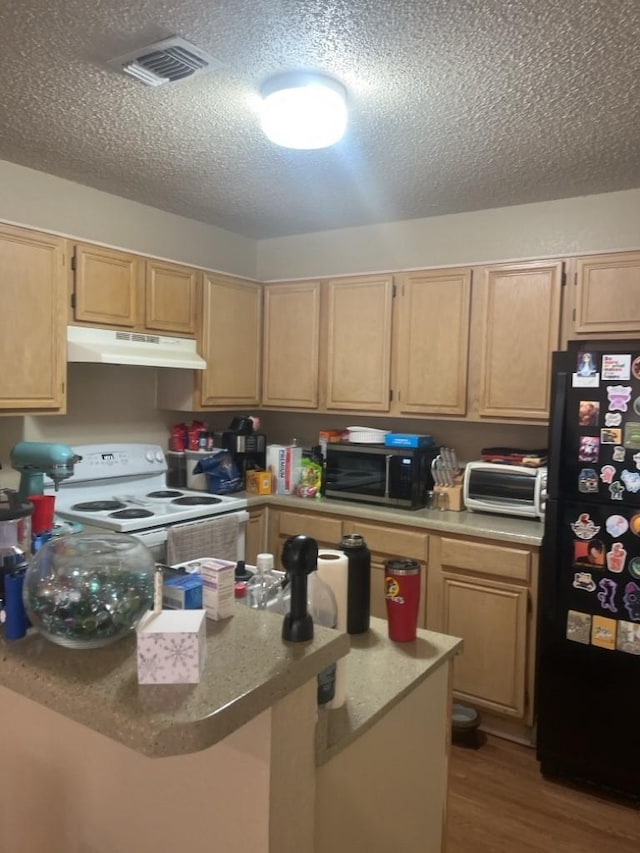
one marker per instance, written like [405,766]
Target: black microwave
[392,476]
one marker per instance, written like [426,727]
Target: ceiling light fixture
[303,110]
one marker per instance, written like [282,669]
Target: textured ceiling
[455,105]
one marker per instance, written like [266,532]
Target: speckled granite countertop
[248,668]
[379,673]
[483,525]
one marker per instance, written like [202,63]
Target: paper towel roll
[333,569]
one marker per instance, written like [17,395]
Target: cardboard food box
[258,482]
[182,592]
[172,647]
[400,439]
[218,587]
[283,462]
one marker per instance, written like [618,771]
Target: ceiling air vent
[166,61]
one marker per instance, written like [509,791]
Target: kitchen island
[96,763]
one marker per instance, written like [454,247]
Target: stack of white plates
[366,435]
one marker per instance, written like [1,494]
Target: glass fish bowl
[89,590]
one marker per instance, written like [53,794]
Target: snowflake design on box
[178,650]
[149,667]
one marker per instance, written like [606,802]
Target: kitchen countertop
[483,525]
[378,674]
[248,669]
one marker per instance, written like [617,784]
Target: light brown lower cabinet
[477,589]
[255,535]
[384,541]
[486,594]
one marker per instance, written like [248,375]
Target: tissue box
[283,461]
[401,439]
[218,587]
[182,592]
[258,482]
[172,647]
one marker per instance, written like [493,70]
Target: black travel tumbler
[359,582]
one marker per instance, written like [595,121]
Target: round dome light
[303,110]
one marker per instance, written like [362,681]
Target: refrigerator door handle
[556,431]
[549,572]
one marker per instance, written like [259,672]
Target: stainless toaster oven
[505,489]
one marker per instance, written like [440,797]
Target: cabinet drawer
[388,540]
[512,563]
[325,530]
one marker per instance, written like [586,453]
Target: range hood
[106,346]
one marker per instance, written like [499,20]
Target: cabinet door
[325,529]
[231,336]
[291,341]
[33,295]
[386,542]
[170,298]
[359,343]
[255,535]
[481,592]
[106,287]
[520,330]
[433,341]
[607,294]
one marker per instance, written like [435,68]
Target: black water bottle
[359,582]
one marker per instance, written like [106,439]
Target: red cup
[402,597]
[43,509]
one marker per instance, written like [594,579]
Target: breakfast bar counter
[112,765]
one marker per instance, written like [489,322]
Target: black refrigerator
[588,662]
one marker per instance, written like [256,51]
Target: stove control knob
[159,456]
[149,455]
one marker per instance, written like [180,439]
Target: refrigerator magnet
[579,627]
[591,553]
[634,524]
[584,527]
[635,367]
[588,448]
[628,639]
[618,453]
[607,594]
[607,473]
[616,367]
[616,557]
[631,600]
[610,436]
[603,632]
[636,406]
[632,435]
[588,413]
[583,581]
[634,568]
[612,419]
[586,375]
[618,396]
[631,480]
[616,490]
[616,526]
[588,480]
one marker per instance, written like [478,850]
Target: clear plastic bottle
[265,585]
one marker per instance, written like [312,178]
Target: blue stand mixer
[34,459]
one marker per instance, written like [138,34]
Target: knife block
[454,495]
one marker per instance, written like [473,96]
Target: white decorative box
[172,647]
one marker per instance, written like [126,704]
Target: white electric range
[123,488]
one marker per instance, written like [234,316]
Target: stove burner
[131,513]
[168,493]
[98,506]
[196,500]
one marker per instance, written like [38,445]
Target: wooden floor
[500,803]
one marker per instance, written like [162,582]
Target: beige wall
[38,200]
[606,222]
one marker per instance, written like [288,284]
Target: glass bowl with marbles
[89,590]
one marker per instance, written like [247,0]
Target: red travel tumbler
[402,596]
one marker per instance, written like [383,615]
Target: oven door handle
[241,515]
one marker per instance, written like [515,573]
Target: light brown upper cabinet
[231,339]
[607,295]
[433,341]
[290,352]
[520,330]
[171,294]
[33,295]
[120,289]
[358,357]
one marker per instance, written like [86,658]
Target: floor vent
[167,61]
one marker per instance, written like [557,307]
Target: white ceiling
[456,105]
